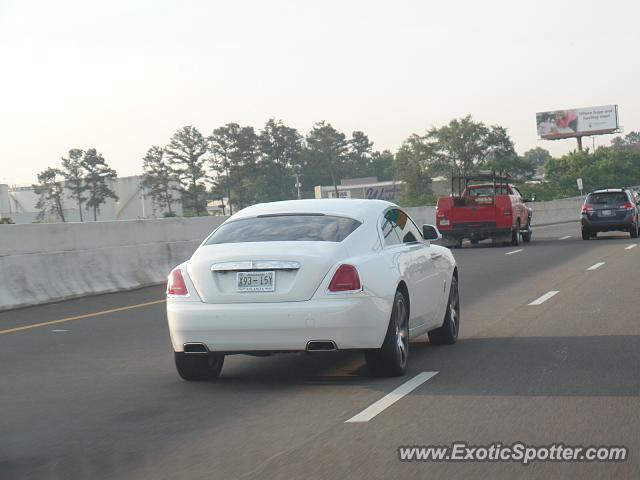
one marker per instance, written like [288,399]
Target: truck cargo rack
[500,180]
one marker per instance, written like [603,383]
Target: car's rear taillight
[586,209]
[346,279]
[627,206]
[175,284]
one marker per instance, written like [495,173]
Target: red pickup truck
[493,209]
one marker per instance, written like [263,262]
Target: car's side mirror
[429,232]
[532,199]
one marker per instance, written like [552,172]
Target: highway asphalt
[97,396]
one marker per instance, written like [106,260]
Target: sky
[122,76]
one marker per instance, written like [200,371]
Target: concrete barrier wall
[556,211]
[46,262]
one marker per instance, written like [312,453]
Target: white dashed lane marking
[595,266]
[391,398]
[565,237]
[544,297]
[514,251]
[631,246]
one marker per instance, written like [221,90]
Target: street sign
[580,186]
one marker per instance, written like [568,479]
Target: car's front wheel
[526,234]
[447,334]
[391,359]
[195,368]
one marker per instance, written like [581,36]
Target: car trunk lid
[261,271]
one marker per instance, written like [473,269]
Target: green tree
[74,175]
[186,156]
[51,194]
[411,165]
[235,157]
[631,138]
[359,156]
[537,156]
[159,179]
[98,175]
[381,165]
[465,146]
[326,152]
[280,157]
[221,147]
[606,167]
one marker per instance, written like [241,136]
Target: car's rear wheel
[585,234]
[391,359]
[195,368]
[447,334]
[515,235]
[634,230]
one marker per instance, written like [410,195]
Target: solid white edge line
[595,266]
[631,246]
[565,237]
[391,398]
[544,297]
[514,251]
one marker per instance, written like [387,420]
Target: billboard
[576,122]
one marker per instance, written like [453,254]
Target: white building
[19,204]
[371,188]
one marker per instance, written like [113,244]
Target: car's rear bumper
[357,321]
[471,229]
[605,224]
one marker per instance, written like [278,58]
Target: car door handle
[435,255]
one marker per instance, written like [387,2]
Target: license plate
[605,213]
[444,222]
[256,281]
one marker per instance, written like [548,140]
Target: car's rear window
[285,228]
[607,198]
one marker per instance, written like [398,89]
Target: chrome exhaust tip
[321,346]
[195,348]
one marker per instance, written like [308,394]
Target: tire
[196,368]
[585,234]
[634,230]
[391,359]
[515,235]
[447,334]
[526,235]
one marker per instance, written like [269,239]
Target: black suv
[610,209]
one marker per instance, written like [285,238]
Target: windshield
[285,228]
[607,198]
[486,190]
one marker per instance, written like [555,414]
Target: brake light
[586,209]
[627,206]
[346,279]
[175,284]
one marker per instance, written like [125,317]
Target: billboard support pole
[579,139]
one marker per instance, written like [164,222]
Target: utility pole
[298,185]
